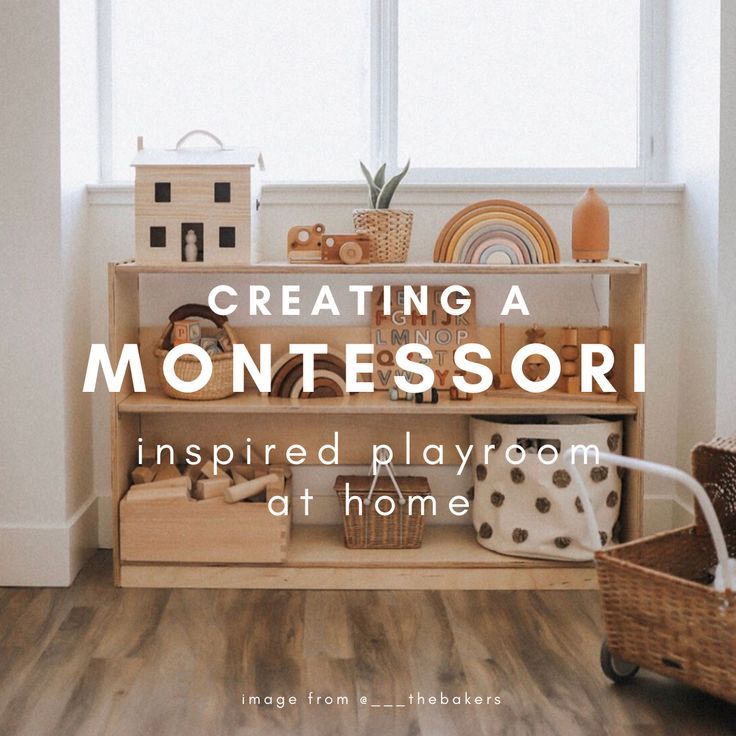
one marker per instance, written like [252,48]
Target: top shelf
[613,267]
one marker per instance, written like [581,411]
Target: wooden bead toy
[603,337]
[535,366]
[502,379]
[570,354]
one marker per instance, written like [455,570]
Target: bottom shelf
[449,559]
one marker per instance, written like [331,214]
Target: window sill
[353,194]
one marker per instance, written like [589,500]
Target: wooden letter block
[186,330]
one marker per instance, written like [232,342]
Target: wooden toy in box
[205,516]
[195,205]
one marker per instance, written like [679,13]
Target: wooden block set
[236,482]
[190,331]
[200,513]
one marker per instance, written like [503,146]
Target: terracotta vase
[590,228]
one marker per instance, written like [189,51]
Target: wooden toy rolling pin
[241,491]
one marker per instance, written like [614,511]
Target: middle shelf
[154,401]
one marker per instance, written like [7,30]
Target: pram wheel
[614,668]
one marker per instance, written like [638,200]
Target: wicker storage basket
[658,616]
[662,608]
[390,232]
[187,368]
[371,530]
[714,466]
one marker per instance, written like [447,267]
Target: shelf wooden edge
[155,402]
[318,560]
[611,267]
[326,578]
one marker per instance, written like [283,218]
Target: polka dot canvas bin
[525,503]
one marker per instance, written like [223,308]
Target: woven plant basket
[390,232]
[187,368]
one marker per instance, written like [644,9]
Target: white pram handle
[726,566]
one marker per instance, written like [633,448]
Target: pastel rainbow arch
[497,231]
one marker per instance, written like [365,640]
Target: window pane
[519,83]
[289,77]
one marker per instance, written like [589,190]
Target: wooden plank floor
[93,660]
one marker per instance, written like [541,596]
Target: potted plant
[390,229]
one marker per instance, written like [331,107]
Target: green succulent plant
[380,191]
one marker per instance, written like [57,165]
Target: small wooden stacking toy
[604,337]
[503,379]
[570,356]
[535,366]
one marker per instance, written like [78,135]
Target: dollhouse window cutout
[227,237]
[157,237]
[192,242]
[222,191]
[162,191]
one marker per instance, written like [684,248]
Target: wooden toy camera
[310,244]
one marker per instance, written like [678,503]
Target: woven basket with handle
[668,600]
[187,367]
[390,232]
[369,527]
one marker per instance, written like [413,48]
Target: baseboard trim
[104,523]
[662,513]
[48,555]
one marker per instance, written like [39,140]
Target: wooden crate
[209,531]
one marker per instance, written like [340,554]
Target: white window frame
[384,128]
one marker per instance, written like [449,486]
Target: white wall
[693,155]
[645,225]
[726,383]
[47,510]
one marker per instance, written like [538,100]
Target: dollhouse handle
[675,474]
[199,131]
[197,310]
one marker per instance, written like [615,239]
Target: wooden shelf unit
[603,268]
[449,558]
[154,401]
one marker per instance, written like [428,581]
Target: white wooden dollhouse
[195,205]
